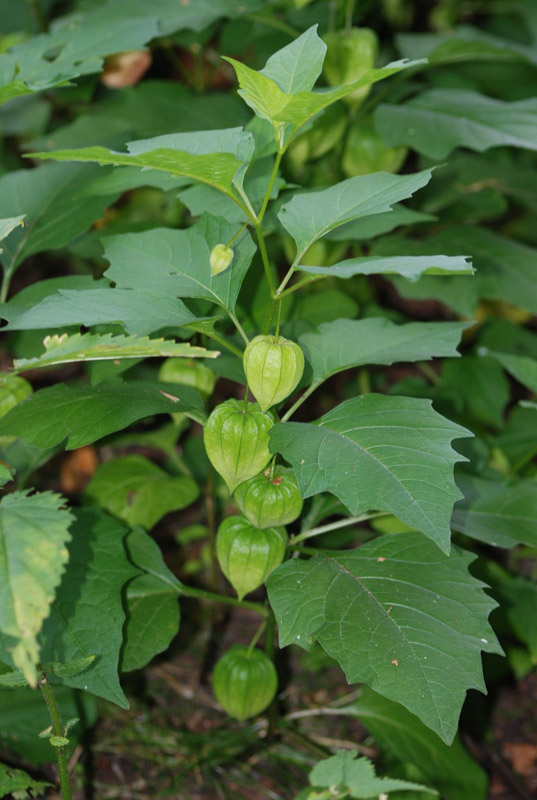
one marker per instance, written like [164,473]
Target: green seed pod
[350,55]
[273,367]
[248,555]
[220,258]
[189,373]
[365,152]
[13,390]
[237,441]
[244,682]
[269,502]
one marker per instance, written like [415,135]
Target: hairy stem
[332,526]
[57,729]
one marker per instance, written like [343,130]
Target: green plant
[254,285]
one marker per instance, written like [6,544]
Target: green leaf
[346,343]
[448,768]
[289,110]
[310,215]
[16,780]
[6,475]
[378,224]
[345,771]
[64,349]
[83,414]
[13,679]
[137,491]
[219,158]
[505,268]
[477,387]
[379,452]
[499,513]
[87,617]
[8,225]
[65,670]
[521,368]
[152,603]
[437,121]
[34,530]
[177,262]
[396,614]
[140,312]
[295,68]
[518,439]
[410,267]
[463,43]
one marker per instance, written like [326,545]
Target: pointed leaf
[17,783]
[295,68]
[64,349]
[410,267]
[137,491]
[437,121]
[34,530]
[7,225]
[83,414]
[499,513]
[522,368]
[309,215]
[379,452]
[152,603]
[219,158]
[396,614]
[140,312]
[346,771]
[346,343]
[177,262]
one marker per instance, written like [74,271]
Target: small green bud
[188,372]
[273,367]
[270,501]
[237,441]
[365,152]
[244,682]
[220,258]
[248,555]
[350,55]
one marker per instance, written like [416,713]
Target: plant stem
[239,327]
[227,345]
[57,728]
[429,372]
[285,281]
[202,594]
[264,258]
[349,13]
[332,526]
[300,400]
[266,198]
[257,635]
[273,22]
[300,284]
[245,403]
[211,524]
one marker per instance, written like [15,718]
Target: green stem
[227,345]
[245,403]
[332,526]
[278,318]
[300,400]
[364,382]
[273,22]
[57,728]
[237,234]
[300,284]
[202,594]
[429,372]
[287,278]
[239,327]
[272,178]
[349,14]
[264,257]
[257,635]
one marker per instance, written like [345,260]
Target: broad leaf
[396,614]
[138,491]
[295,68]
[9,224]
[310,215]
[378,224]
[521,368]
[65,349]
[87,617]
[499,513]
[462,43]
[81,415]
[219,158]
[17,783]
[437,121]
[379,452]
[152,603]
[346,343]
[448,768]
[475,388]
[344,771]
[505,268]
[177,262]
[518,439]
[410,267]
[140,312]
[34,530]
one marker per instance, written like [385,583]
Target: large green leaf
[177,262]
[17,783]
[499,513]
[295,68]
[65,349]
[410,267]
[344,772]
[9,224]
[309,215]
[396,614]
[463,43]
[448,768]
[81,415]
[219,158]
[346,343]
[518,439]
[87,617]
[437,121]
[522,368]
[152,603]
[140,312]
[34,530]
[379,452]
[476,389]
[138,491]
[377,224]
[505,268]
